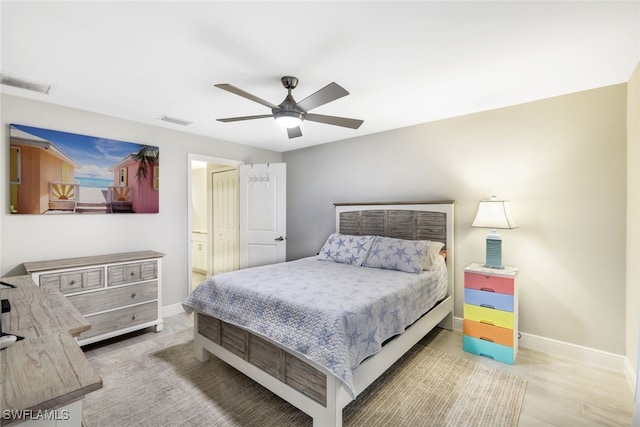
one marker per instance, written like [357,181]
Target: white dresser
[116,293]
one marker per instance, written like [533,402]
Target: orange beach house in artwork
[53,172]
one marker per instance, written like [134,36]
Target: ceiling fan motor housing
[288,107]
[289,82]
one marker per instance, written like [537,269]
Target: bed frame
[303,383]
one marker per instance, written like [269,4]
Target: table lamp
[494,214]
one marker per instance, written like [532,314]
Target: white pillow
[433,251]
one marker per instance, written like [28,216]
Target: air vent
[9,80]
[175,120]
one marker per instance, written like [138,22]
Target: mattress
[333,314]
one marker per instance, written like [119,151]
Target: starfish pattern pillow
[346,249]
[397,254]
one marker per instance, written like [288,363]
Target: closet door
[225,220]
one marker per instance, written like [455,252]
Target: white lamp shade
[494,214]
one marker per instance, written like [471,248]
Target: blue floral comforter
[334,314]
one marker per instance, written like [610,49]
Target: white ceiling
[404,63]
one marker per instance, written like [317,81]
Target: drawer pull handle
[486,339]
[133,295]
[486,355]
[487,289]
[134,317]
[133,274]
[486,322]
[487,306]
[73,282]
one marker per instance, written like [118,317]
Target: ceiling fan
[291,113]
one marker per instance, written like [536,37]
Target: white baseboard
[604,359]
[631,376]
[170,310]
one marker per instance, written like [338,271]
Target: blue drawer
[488,349]
[495,300]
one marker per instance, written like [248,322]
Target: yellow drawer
[489,316]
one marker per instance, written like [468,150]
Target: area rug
[160,383]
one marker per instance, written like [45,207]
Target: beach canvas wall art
[54,172]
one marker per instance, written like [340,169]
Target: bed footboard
[297,381]
[269,358]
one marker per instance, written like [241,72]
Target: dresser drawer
[488,299]
[490,316]
[120,319]
[491,350]
[129,273]
[74,281]
[489,333]
[107,299]
[484,282]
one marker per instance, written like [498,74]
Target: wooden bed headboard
[403,220]
[401,224]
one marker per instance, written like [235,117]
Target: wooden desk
[45,376]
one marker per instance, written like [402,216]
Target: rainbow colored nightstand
[490,324]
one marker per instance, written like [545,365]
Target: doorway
[213,212]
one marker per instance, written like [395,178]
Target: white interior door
[263,210]
[224,186]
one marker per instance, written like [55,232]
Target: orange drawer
[489,333]
[483,282]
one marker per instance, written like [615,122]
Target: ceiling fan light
[288,119]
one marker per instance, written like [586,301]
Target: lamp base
[494,252]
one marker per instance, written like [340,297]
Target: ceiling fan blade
[242,93]
[332,120]
[329,93]
[237,119]
[294,132]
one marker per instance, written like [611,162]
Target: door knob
[279,239]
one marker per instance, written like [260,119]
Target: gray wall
[560,161]
[39,237]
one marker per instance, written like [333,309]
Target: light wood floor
[560,392]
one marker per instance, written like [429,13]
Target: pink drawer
[484,282]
